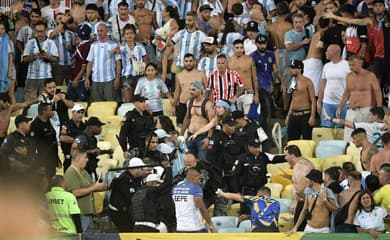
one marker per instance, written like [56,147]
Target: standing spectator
[50,11]
[230,33]
[70,130]
[184,7]
[137,124]
[362,91]
[189,204]
[133,62]
[224,83]
[39,52]
[382,157]
[92,18]
[184,79]
[8,23]
[266,69]
[123,189]
[252,31]
[76,87]
[332,85]
[245,67]
[6,60]
[153,89]
[80,183]
[320,202]
[382,196]
[103,66]
[359,138]
[45,138]
[296,39]
[369,217]
[65,42]
[208,62]
[301,115]
[111,8]
[63,207]
[146,23]
[204,18]
[119,21]
[189,40]
[331,180]
[264,211]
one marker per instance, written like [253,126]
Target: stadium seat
[224,222]
[286,222]
[328,148]
[336,161]
[101,109]
[307,147]
[287,192]
[278,178]
[276,189]
[231,230]
[322,133]
[274,169]
[11,126]
[167,108]
[284,204]
[247,225]
[353,151]
[234,210]
[99,201]
[124,108]
[317,162]
[32,111]
[211,210]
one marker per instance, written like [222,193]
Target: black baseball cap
[228,120]
[315,175]
[296,64]
[139,98]
[254,142]
[261,39]
[205,7]
[252,26]
[94,121]
[378,1]
[237,114]
[22,118]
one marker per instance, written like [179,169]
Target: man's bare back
[5,116]
[378,159]
[278,29]
[301,99]
[300,170]
[144,19]
[78,13]
[366,156]
[314,51]
[243,65]
[361,87]
[184,80]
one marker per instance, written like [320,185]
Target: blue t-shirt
[264,211]
[293,36]
[264,65]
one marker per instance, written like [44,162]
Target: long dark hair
[229,27]
[167,124]
[173,12]
[361,194]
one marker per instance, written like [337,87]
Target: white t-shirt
[371,220]
[335,75]
[187,214]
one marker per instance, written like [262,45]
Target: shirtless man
[146,22]
[6,109]
[382,157]
[362,91]
[245,66]
[194,120]
[313,62]
[301,167]
[277,30]
[319,203]
[301,115]
[359,138]
[183,84]
[78,11]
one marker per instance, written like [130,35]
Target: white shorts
[313,70]
[309,229]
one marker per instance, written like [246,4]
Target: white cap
[164,148]
[77,107]
[153,177]
[161,133]
[136,162]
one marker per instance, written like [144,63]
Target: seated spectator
[369,217]
[264,210]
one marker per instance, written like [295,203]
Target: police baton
[135,167]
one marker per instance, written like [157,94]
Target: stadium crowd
[224,68]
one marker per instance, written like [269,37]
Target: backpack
[342,215]
[202,108]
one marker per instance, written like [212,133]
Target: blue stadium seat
[224,222]
[124,108]
[231,230]
[247,225]
[330,148]
[284,204]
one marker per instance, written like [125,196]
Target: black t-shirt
[333,36]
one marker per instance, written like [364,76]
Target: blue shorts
[331,111]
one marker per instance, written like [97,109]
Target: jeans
[87,224]
[79,93]
[194,146]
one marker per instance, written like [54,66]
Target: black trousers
[299,125]
[181,113]
[122,221]
[298,211]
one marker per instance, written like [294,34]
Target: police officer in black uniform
[45,138]
[251,169]
[17,151]
[223,150]
[247,129]
[137,124]
[70,130]
[122,191]
[87,142]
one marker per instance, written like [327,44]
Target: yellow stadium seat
[11,126]
[99,201]
[338,133]
[211,210]
[104,145]
[317,162]
[234,210]
[286,222]
[273,169]
[278,178]
[118,155]
[112,128]
[167,107]
[101,109]
[353,151]
[307,147]
[336,161]
[276,189]
[322,133]
[287,192]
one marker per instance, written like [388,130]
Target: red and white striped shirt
[224,86]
